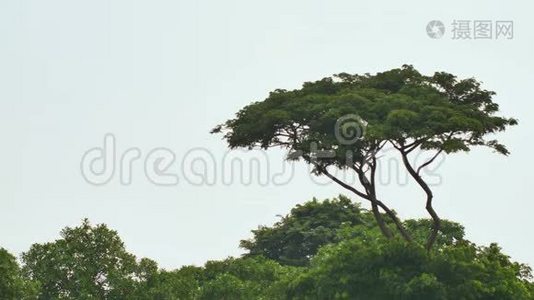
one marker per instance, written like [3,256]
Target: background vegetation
[329,249]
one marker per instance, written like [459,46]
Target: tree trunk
[436,226]
[395,220]
[380,221]
[375,201]
[371,192]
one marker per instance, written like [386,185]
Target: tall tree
[345,121]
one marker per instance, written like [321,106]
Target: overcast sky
[163,73]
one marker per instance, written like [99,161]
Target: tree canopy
[370,267]
[296,237]
[87,262]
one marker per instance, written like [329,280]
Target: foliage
[395,105]
[232,278]
[448,234]
[88,262]
[296,237]
[172,285]
[353,261]
[12,283]
[370,267]
[244,278]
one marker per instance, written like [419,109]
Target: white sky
[163,73]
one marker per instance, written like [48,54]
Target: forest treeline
[329,249]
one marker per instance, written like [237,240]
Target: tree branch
[429,161]
[370,197]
